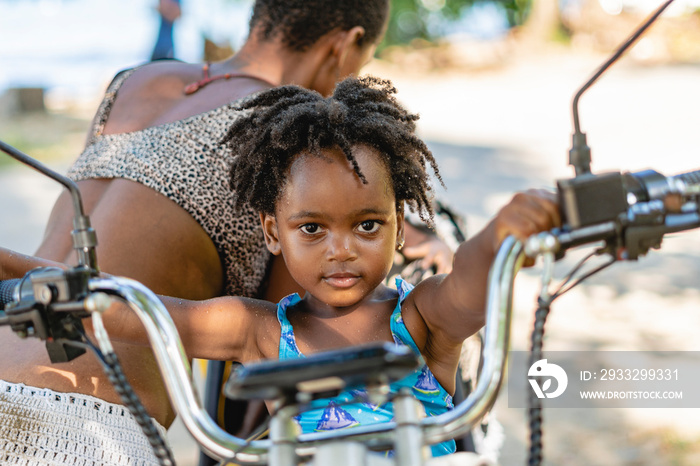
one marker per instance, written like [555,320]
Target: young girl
[330,177]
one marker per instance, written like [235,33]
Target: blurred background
[493,83]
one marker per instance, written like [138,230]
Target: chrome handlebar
[177,374]
[174,367]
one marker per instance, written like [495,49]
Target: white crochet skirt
[42,427]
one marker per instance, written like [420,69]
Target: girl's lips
[341,280]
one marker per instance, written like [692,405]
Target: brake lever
[634,232]
[50,306]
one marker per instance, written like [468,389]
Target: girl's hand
[527,213]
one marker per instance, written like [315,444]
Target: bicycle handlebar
[495,352]
[175,367]
[7,291]
[177,374]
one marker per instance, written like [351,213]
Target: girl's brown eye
[369,226]
[310,228]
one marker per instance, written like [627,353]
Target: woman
[154,172]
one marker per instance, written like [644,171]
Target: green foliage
[422,19]
[517,10]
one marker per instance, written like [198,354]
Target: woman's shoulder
[152,94]
[152,76]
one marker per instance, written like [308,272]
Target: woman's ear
[330,59]
[345,43]
[269,227]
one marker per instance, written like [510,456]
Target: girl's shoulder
[247,325]
[414,320]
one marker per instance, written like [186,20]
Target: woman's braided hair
[290,120]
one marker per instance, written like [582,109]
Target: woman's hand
[432,252]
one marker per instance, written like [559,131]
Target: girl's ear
[269,227]
[400,223]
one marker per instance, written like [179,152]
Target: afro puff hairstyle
[286,121]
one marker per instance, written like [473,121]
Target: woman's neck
[276,63]
[255,60]
[239,64]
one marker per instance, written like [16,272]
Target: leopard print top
[184,161]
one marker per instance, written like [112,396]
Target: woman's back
[143,234]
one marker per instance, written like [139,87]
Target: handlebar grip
[7,291]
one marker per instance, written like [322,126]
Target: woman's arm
[429,248]
[226,328]
[15,265]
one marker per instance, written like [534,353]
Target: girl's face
[336,234]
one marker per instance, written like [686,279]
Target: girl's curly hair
[288,120]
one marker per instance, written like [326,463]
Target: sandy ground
[506,128]
[509,128]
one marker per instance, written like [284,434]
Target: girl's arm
[452,307]
[228,328]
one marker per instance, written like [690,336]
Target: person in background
[168,12]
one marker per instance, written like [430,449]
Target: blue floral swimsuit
[336,413]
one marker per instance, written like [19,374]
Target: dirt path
[509,128]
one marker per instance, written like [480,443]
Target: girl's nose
[341,248]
